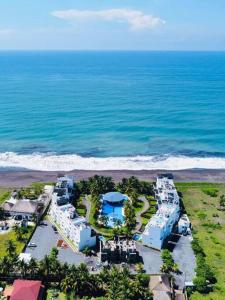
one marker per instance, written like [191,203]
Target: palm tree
[139,268]
[114,288]
[222,201]
[19,232]
[134,197]
[104,219]
[45,266]
[10,248]
[118,223]
[33,266]
[23,267]
[164,268]
[68,284]
[5,266]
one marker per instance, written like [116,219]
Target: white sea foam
[47,162]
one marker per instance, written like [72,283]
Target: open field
[201,201]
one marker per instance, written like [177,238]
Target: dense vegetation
[203,204]
[205,277]
[168,262]
[31,192]
[97,185]
[76,280]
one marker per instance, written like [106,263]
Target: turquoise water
[110,110]
[113,211]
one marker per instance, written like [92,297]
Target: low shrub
[212,192]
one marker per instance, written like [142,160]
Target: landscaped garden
[204,203]
[18,235]
[146,216]
[131,188]
[13,236]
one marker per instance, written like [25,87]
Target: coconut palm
[33,266]
[45,266]
[69,284]
[10,248]
[222,201]
[23,267]
[139,268]
[104,219]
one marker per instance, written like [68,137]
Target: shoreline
[19,178]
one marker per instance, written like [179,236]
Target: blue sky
[112,24]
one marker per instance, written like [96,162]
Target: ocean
[112,110]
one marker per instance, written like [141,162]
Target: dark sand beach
[22,178]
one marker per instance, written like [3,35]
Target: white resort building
[75,228]
[63,190]
[161,224]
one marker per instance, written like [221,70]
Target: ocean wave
[68,162]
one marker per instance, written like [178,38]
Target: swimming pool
[114,211]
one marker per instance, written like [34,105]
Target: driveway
[151,259]
[45,238]
[184,257]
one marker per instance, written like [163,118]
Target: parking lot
[151,259]
[46,238]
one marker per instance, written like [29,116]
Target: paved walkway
[138,217]
[87,203]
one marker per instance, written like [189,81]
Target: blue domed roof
[114,197]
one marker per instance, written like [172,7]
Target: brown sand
[23,178]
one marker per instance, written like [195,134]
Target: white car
[31,245]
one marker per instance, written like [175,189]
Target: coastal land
[18,178]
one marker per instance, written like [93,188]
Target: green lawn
[4,194]
[139,206]
[150,212]
[107,232]
[201,201]
[12,236]
[61,296]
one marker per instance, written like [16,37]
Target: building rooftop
[114,197]
[26,290]
[21,206]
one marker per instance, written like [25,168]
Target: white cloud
[136,19]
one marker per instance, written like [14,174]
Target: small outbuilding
[25,290]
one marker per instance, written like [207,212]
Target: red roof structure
[27,290]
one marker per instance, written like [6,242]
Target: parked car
[31,245]
[43,223]
[54,228]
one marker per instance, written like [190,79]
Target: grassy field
[12,236]
[4,194]
[201,201]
